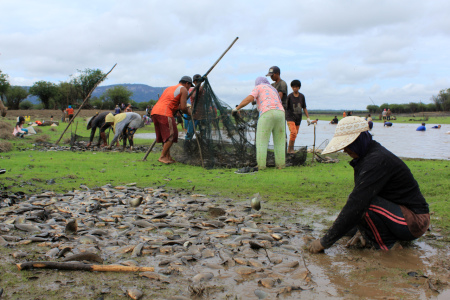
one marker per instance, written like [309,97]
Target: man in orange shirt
[173,98]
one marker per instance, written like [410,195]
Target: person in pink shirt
[271,121]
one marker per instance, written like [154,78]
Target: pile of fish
[81,146]
[192,241]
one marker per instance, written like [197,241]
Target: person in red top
[173,98]
[69,112]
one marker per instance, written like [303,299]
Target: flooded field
[401,139]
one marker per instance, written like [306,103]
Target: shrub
[6,130]
[5,146]
[26,105]
[41,139]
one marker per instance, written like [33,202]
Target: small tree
[4,86]
[15,95]
[86,81]
[67,95]
[45,91]
[117,95]
[373,108]
[26,105]
[413,107]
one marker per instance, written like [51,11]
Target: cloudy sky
[342,51]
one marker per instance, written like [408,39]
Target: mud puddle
[200,248]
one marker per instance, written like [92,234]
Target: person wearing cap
[173,98]
[198,114]
[386,205]
[271,121]
[98,121]
[279,84]
[295,103]
[124,127]
[69,112]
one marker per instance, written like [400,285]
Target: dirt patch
[199,247]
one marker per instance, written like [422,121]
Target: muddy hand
[316,247]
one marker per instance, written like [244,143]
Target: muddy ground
[200,248]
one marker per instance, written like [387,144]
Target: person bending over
[98,121]
[173,98]
[125,126]
[386,204]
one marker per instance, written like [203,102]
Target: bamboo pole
[192,117]
[314,144]
[84,101]
[149,150]
[70,266]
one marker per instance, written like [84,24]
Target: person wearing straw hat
[386,205]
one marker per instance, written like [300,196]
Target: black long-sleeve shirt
[378,173]
[98,122]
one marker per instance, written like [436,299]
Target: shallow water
[401,139]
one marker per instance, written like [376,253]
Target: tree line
[441,102]
[71,92]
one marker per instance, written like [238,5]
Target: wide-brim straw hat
[347,131]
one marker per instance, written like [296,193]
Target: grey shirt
[281,86]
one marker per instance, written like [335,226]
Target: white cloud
[342,51]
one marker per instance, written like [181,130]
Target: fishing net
[222,140]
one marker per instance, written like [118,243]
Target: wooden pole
[314,145]
[149,150]
[84,101]
[192,117]
[70,266]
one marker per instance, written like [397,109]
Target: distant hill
[141,92]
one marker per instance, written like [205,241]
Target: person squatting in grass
[124,126]
[173,98]
[294,104]
[19,130]
[271,121]
[98,121]
[386,204]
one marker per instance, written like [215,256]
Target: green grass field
[318,185]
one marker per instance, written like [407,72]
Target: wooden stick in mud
[70,266]
[149,150]
[84,101]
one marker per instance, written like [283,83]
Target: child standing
[294,104]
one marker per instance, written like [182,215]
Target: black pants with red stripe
[384,224]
